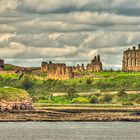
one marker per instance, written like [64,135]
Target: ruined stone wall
[1,65]
[57,71]
[44,66]
[95,65]
[131,59]
[78,68]
[60,71]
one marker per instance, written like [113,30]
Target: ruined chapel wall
[131,60]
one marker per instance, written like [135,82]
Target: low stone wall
[17,105]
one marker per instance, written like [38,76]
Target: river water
[70,131]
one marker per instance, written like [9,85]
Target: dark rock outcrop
[17,105]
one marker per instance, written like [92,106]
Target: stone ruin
[95,65]
[57,71]
[60,71]
[131,59]
[1,65]
[78,68]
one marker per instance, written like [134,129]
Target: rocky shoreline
[68,115]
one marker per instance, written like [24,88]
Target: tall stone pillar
[69,72]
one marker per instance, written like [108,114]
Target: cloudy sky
[71,31]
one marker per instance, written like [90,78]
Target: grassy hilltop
[41,90]
[13,94]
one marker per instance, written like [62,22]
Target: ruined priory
[60,71]
[131,59]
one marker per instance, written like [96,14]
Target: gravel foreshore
[71,115]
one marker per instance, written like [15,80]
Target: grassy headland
[13,94]
[42,90]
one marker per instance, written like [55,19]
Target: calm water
[70,131]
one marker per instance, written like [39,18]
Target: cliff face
[11,106]
[14,99]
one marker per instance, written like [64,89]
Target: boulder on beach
[14,99]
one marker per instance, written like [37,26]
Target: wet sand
[72,114]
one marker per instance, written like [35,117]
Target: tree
[27,83]
[89,81]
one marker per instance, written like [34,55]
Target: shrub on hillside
[98,94]
[122,93]
[94,99]
[80,100]
[137,100]
[127,103]
[27,83]
[106,98]
[71,92]
[89,81]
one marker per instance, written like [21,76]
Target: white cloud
[7,28]
[8,5]
[6,36]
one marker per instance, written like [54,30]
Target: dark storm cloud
[123,7]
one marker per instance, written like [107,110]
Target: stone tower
[131,59]
[95,65]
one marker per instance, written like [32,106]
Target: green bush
[27,83]
[122,93]
[94,99]
[89,81]
[80,100]
[107,98]
[98,94]
[71,92]
[60,100]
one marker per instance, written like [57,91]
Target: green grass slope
[13,94]
[40,89]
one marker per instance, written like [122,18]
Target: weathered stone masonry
[131,59]
[60,71]
[95,65]
[57,71]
